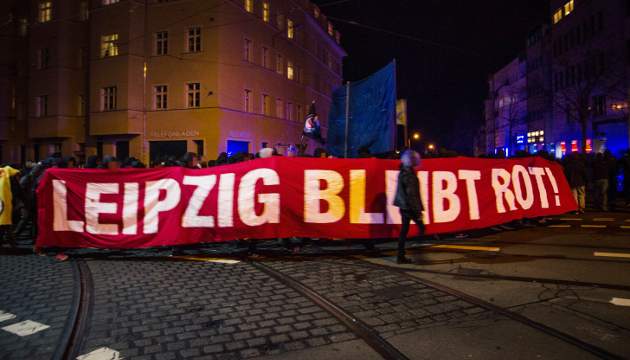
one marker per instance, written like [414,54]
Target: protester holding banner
[407,199]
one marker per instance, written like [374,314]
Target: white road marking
[604,219]
[4,316]
[610,254]
[25,328]
[593,226]
[210,260]
[571,219]
[467,247]
[559,226]
[103,353]
[626,227]
[620,301]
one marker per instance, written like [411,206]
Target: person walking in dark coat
[600,177]
[408,200]
[575,171]
[625,168]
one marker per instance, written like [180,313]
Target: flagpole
[345,152]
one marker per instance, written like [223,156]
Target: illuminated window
[280,21]
[266,105]
[568,7]
[536,137]
[41,106]
[589,146]
[109,2]
[279,64]
[557,16]
[574,146]
[23,27]
[45,11]
[331,30]
[194,39]
[109,98]
[279,108]
[247,100]
[161,43]
[109,45]
[193,92]
[266,12]
[249,6]
[248,50]
[161,97]
[290,29]
[290,70]
[563,148]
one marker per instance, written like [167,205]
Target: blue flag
[372,120]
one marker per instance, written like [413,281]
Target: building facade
[158,78]
[576,82]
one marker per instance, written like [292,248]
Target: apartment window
[41,106]
[161,43]
[23,27]
[45,11]
[109,98]
[279,64]
[290,29]
[194,39]
[84,11]
[290,70]
[599,105]
[280,21]
[568,7]
[331,30]
[193,91]
[248,50]
[109,2]
[81,105]
[266,11]
[557,16]
[109,45]
[249,6]
[247,100]
[290,111]
[161,97]
[279,108]
[300,115]
[265,57]
[43,58]
[266,105]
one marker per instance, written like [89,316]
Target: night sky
[444,73]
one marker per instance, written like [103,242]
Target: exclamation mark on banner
[554,184]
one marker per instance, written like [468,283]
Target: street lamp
[431,147]
[415,137]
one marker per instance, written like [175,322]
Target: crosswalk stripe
[604,219]
[25,328]
[611,254]
[593,226]
[571,219]
[620,301]
[103,353]
[625,227]
[211,260]
[4,316]
[560,226]
[466,247]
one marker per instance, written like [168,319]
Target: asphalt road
[555,290]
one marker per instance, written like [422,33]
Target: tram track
[74,333]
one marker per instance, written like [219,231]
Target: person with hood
[408,200]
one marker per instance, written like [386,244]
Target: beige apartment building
[161,77]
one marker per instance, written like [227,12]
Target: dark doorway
[160,150]
[122,150]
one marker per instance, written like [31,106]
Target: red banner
[283,197]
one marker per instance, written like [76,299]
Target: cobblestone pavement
[176,310]
[39,289]
[387,301]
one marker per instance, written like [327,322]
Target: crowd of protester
[599,178]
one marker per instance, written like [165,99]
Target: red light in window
[563,147]
[589,146]
[574,146]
